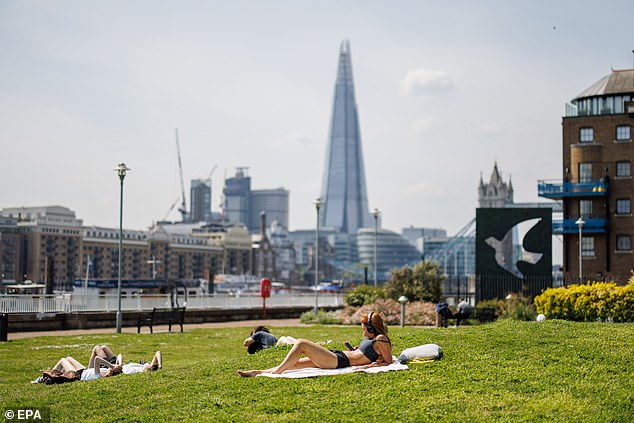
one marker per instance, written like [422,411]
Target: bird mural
[529,257]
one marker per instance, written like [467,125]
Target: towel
[314,371]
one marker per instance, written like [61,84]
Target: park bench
[170,316]
[482,315]
[485,314]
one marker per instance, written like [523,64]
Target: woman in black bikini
[374,350]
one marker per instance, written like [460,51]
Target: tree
[420,283]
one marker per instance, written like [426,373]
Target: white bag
[425,352]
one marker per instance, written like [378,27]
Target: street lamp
[376,214]
[580,222]
[153,262]
[121,170]
[318,204]
[403,300]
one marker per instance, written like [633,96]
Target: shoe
[40,379]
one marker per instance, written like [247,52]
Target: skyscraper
[200,201]
[344,190]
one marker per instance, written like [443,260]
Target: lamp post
[403,300]
[121,170]
[153,262]
[318,204]
[580,222]
[376,214]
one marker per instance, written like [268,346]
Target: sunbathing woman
[106,353]
[74,370]
[375,350]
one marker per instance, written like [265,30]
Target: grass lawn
[504,371]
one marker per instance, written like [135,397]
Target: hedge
[601,301]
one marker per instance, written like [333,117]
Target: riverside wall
[34,322]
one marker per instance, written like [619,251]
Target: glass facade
[344,188]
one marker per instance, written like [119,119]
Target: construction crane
[183,208]
[170,210]
[208,180]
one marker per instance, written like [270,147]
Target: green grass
[504,371]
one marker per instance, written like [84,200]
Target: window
[623,206]
[585,208]
[587,246]
[586,135]
[623,243]
[585,172]
[623,133]
[623,169]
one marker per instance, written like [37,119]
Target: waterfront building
[10,246]
[50,240]
[345,207]
[49,245]
[597,185]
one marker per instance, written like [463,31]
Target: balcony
[569,226]
[557,190]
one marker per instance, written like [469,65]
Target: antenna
[183,208]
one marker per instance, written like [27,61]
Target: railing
[571,189]
[590,226]
[68,303]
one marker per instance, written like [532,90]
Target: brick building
[597,186]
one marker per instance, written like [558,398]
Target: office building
[416,236]
[273,202]
[392,251]
[200,201]
[237,197]
[597,186]
[345,207]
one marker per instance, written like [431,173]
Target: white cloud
[420,126]
[421,81]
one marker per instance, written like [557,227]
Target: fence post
[4,326]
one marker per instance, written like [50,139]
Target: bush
[420,283]
[586,303]
[517,308]
[416,313]
[323,318]
[363,295]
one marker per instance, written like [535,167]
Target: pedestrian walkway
[160,328]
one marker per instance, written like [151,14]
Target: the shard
[344,189]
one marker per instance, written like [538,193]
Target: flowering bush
[416,313]
[596,301]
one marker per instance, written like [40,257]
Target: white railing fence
[69,303]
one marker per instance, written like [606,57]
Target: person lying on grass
[68,369]
[106,353]
[261,338]
[374,350]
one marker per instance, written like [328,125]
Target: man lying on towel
[375,350]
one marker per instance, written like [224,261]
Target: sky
[444,90]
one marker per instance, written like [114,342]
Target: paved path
[160,328]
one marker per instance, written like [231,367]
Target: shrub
[323,318]
[516,307]
[363,294]
[420,283]
[596,301]
[416,313]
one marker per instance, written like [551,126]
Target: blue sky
[444,88]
